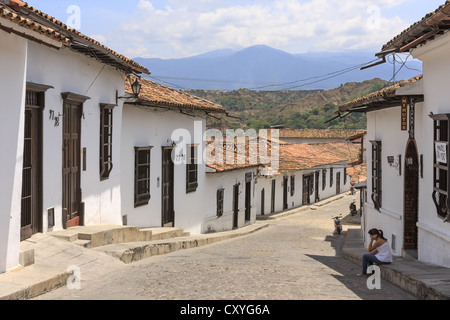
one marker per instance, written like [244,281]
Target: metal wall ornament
[53,118]
[412,118]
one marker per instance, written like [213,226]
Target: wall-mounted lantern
[135,88]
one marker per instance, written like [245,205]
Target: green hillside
[293,109]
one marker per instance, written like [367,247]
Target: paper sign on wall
[441,152]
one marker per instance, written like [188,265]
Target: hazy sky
[181,28]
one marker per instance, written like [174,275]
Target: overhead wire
[403,65]
[326,76]
[339,72]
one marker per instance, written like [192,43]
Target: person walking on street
[379,251]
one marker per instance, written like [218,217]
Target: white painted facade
[433,232]
[13,53]
[384,126]
[226,181]
[67,71]
[63,70]
[295,200]
[157,127]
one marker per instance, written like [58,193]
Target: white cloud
[187,27]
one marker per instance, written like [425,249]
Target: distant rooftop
[319,133]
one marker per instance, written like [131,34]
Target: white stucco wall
[385,126]
[226,181]
[434,234]
[296,200]
[154,128]
[68,71]
[13,54]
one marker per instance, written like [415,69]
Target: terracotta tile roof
[431,25]
[343,150]
[318,133]
[292,157]
[240,160]
[9,14]
[378,96]
[357,173]
[357,137]
[156,94]
[35,20]
[304,156]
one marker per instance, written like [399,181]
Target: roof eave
[431,25]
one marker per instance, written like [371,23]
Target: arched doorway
[411,196]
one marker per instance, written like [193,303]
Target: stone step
[132,252]
[168,233]
[99,236]
[83,243]
[26,257]
[66,235]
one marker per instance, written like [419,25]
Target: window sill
[192,188]
[142,200]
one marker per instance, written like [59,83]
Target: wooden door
[411,194]
[31,204]
[307,187]
[285,193]
[338,183]
[248,203]
[71,201]
[263,201]
[316,183]
[235,205]
[168,213]
[272,199]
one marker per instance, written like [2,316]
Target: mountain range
[264,68]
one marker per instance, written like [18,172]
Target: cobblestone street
[296,258]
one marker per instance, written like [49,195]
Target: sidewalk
[56,259]
[424,281]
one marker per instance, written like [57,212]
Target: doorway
[235,205]
[307,189]
[31,201]
[338,183]
[263,196]
[316,183]
[285,193]
[168,213]
[71,195]
[248,204]
[272,197]
[411,192]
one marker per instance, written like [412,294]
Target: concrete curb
[132,252]
[29,282]
[424,281]
[23,284]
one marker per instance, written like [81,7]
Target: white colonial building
[60,128]
[408,144]
[163,168]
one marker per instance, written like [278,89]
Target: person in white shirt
[379,251]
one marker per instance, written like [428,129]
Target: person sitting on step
[379,251]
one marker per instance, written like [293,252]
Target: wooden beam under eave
[419,40]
